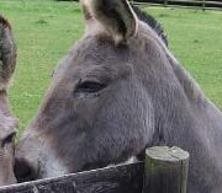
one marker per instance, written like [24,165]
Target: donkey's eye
[9,139]
[89,87]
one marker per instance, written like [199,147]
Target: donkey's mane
[152,22]
[191,88]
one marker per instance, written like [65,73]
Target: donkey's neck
[185,108]
[184,117]
[191,88]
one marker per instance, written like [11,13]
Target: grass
[196,41]
[45,30]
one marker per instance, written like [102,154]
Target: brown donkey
[7,121]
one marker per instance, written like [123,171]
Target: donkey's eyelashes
[89,87]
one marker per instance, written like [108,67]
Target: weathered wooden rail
[164,170]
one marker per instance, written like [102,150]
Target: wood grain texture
[116,179]
[166,170]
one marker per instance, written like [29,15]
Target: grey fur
[7,53]
[145,98]
[7,121]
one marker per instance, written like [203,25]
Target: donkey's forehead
[99,48]
[95,56]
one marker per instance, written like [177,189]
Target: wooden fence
[165,170]
[203,4]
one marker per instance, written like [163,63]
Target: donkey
[7,121]
[118,91]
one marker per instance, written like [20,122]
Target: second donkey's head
[7,121]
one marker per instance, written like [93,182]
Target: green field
[45,30]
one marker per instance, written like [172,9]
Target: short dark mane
[152,22]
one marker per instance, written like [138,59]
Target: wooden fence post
[165,3]
[166,170]
[204,5]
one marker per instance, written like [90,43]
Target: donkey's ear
[7,53]
[116,16]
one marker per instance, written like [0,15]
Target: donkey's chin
[49,165]
[130,160]
[55,168]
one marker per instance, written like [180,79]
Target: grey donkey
[7,121]
[118,91]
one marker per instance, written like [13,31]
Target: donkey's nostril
[23,171]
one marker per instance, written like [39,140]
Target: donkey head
[7,122]
[98,110]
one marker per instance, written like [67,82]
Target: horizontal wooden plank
[126,178]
